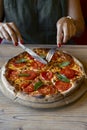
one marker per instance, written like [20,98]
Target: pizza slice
[29,80]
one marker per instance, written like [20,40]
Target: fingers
[4,34]
[73,30]
[1,35]
[19,37]
[9,31]
[59,35]
[69,31]
[65,30]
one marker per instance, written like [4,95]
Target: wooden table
[14,116]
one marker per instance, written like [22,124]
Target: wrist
[74,23]
[78,25]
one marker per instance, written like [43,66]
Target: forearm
[75,12]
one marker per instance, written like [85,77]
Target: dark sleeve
[1,10]
[64,6]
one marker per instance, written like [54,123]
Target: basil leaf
[63,78]
[64,64]
[24,75]
[38,85]
[23,60]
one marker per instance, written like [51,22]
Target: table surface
[14,116]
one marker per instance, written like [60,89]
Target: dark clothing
[36,19]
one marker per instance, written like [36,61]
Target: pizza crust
[79,81]
[24,96]
[24,100]
[40,102]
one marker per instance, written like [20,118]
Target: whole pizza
[37,83]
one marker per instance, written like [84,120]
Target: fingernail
[16,43]
[21,41]
[59,44]
[0,40]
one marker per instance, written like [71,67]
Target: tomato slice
[55,57]
[8,73]
[47,89]
[29,88]
[24,85]
[37,65]
[47,75]
[28,75]
[62,86]
[14,75]
[68,72]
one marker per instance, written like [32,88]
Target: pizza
[35,82]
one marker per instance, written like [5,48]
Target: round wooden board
[62,101]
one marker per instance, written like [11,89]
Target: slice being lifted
[35,82]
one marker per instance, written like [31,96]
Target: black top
[36,19]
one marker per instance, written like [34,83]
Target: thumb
[59,35]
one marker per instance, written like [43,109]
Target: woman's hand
[66,29]
[10,32]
